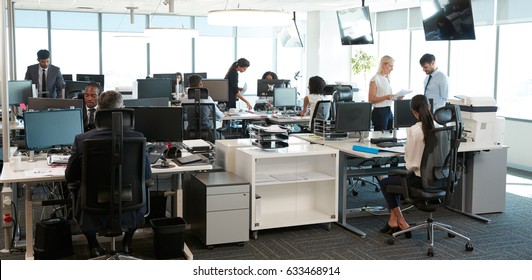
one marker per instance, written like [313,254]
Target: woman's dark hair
[242,62]
[269,73]
[420,104]
[316,85]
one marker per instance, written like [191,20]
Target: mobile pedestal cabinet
[292,186]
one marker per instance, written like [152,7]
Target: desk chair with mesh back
[320,112]
[201,115]
[113,175]
[440,173]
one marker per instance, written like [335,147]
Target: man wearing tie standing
[46,76]
[436,83]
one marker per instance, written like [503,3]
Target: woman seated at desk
[415,143]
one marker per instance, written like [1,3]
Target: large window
[31,35]
[514,83]
[396,44]
[440,49]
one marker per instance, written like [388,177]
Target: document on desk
[40,172]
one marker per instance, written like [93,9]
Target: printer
[479,115]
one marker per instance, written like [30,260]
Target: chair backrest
[439,168]
[201,121]
[321,111]
[113,174]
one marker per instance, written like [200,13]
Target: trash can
[168,237]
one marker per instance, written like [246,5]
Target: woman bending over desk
[415,143]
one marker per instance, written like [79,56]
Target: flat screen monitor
[19,91]
[285,97]
[289,36]
[355,26]
[67,77]
[153,88]
[43,132]
[160,124]
[170,76]
[91,78]
[447,20]
[402,115]
[353,116]
[265,87]
[73,88]
[147,102]
[218,89]
[203,75]
[38,104]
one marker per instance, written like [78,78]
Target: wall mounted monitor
[19,91]
[289,36]
[402,114]
[447,20]
[203,75]
[147,102]
[285,97]
[43,132]
[38,104]
[355,26]
[218,89]
[160,124]
[353,116]
[91,78]
[73,88]
[265,87]
[153,88]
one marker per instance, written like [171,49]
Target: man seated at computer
[90,99]
[89,223]
[195,81]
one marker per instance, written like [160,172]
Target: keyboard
[383,139]
[189,159]
[389,144]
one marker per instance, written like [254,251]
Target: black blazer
[54,79]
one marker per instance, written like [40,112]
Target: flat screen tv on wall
[355,26]
[447,20]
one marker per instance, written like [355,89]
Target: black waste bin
[168,237]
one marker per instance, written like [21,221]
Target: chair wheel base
[391,241]
[469,247]
[430,252]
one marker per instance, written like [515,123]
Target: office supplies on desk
[57,159]
[189,159]
[389,144]
[197,145]
[365,149]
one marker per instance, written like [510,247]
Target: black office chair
[321,111]
[201,121]
[440,173]
[113,175]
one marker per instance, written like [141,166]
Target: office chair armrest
[404,174]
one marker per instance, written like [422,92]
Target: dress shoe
[389,229]
[98,251]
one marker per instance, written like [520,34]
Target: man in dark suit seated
[89,223]
[46,76]
[90,100]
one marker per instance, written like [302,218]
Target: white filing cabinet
[218,207]
[297,185]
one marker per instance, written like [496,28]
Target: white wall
[518,136]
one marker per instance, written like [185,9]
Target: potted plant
[362,62]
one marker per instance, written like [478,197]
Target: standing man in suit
[46,76]
[90,100]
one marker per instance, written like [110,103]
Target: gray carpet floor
[507,237]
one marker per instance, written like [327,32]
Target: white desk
[39,171]
[465,202]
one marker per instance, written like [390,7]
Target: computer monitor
[147,102]
[402,115]
[91,78]
[67,77]
[265,87]
[19,91]
[218,89]
[353,117]
[38,104]
[170,76]
[160,124]
[285,97]
[43,132]
[153,88]
[73,88]
[203,75]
